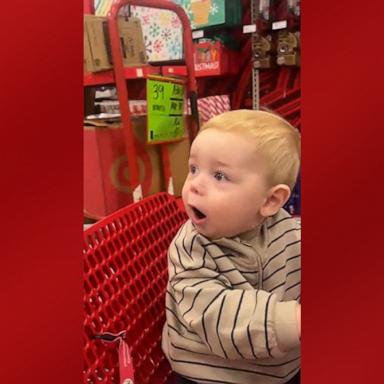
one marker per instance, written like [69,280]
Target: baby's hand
[298,314]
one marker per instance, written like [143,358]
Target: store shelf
[178,70]
[108,77]
[181,70]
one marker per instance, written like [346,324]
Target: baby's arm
[233,323]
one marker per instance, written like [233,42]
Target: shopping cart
[125,278]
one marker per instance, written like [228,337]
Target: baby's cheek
[184,191]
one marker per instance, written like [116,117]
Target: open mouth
[198,214]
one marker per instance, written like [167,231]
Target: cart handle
[187,33]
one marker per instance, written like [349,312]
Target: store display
[288,40]
[288,48]
[261,49]
[262,44]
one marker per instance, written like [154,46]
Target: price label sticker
[250,28]
[279,25]
[198,34]
[165,111]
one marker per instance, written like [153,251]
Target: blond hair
[277,141]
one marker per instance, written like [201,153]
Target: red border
[41,173]
[342,132]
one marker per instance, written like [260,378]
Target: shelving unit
[119,75]
[130,73]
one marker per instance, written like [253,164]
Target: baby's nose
[198,185]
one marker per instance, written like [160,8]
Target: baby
[233,312]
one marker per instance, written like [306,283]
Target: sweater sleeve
[233,323]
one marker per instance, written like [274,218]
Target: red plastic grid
[125,278]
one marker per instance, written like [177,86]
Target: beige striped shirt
[231,304]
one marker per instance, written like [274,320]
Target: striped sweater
[231,304]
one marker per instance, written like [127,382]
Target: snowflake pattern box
[162,31]
[209,13]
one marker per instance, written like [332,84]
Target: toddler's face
[225,187]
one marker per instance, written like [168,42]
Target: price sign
[165,106]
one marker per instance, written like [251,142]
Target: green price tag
[165,106]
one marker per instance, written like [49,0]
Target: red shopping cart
[125,278]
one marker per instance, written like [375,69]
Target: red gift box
[211,106]
[213,59]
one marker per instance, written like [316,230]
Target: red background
[41,187]
[342,192]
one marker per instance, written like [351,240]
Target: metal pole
[255,70]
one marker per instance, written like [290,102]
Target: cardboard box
[87,55]
[97,51]
[179,156]
[95,44]
[106,174]
[133,48]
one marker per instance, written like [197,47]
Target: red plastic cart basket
[125,278]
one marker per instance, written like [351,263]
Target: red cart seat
[125,278]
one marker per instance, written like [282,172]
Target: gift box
[212,58]
[211,106]
[204,14]
[163,36]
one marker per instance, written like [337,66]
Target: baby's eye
[220,176]
[192,169]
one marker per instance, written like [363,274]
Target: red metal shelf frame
[120,74]
[130,73]
[108,77]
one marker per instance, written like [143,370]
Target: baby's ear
[277,197]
